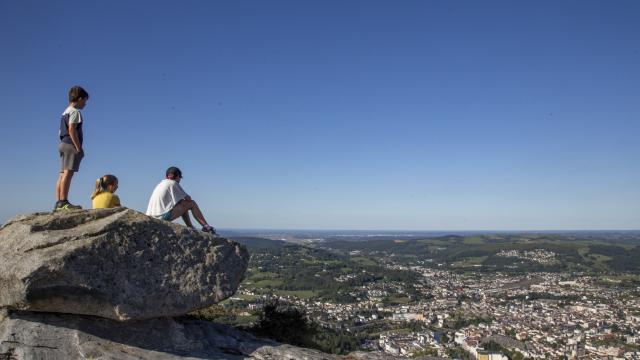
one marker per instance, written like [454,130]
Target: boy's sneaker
[209,229]
[65,205]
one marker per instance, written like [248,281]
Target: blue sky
[431,115]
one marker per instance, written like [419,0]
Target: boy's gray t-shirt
[71,115]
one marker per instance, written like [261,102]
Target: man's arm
[73,133]
[179,192]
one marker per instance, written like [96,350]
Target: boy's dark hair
[76,93]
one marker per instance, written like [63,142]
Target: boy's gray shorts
[69,158]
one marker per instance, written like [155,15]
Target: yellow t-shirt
[106,200]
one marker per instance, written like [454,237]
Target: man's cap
[174,171]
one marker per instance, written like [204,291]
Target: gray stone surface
[28,335]
[25,335]
[114,263]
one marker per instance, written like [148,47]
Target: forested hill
[519,252]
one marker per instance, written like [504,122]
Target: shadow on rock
[29,335]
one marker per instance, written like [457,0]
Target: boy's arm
[73,133]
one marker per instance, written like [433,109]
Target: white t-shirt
[164,197]
[74,115]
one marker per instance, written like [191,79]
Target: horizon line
[433,231]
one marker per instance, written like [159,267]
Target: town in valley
[469,296]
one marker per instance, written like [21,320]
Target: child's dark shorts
[69,158]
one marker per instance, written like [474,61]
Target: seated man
[169,202]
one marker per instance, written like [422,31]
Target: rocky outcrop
[25,335]
[115,284]
[114,263]
[64,337]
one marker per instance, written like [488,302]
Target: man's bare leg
[195,210]
[181,210]
[187,219]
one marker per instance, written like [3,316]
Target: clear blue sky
[409,115]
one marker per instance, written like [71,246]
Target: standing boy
[169,202]
[70,147]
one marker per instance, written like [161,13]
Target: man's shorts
[167,216]
[69,158]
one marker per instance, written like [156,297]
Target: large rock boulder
[61,337]
[114,263]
